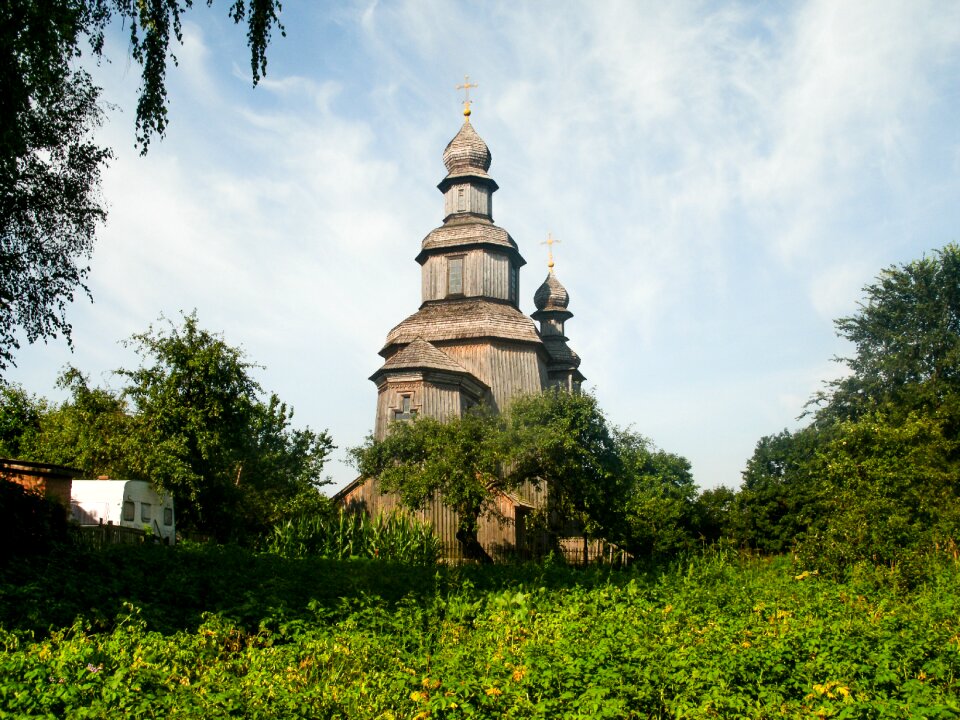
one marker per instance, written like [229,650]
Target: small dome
[466,152]
[551,295]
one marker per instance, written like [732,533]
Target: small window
[461,200]
[513,284]
[455,276]
[405,412]
[128,510]
[145,512]
[168,516]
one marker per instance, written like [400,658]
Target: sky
[723,178]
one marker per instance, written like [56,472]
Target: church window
[461,200]
[455,276]
[405,412]
[513,284]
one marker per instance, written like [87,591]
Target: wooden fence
[99,536]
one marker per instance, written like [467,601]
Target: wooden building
[52,481]
[469,343]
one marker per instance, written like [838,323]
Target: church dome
[467,152]
[551,295]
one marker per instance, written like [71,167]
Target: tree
[192,420]
[230,459]
[20,415]
[457,462]
[887,490]
[659,493]
[874,477]
[50,167]
[563,439]
[906,335]
[93,431]
[775,502]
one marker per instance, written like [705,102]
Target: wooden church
[469,342]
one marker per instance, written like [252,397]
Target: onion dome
[551,295]
[467,153]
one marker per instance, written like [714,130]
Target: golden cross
[465,86]
[549,242]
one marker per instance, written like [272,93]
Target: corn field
[355,535]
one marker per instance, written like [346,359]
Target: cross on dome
[550,242]
[465,86]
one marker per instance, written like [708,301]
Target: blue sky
[724,178]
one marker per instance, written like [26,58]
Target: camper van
[128,503]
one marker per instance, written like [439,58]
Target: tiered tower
[469,343]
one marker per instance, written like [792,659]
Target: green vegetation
[192,420]
[216,632]
[344,535]
[50,164]
[612,482]
[874,477]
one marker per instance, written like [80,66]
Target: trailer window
[128,510]
[144,512]
[168,516]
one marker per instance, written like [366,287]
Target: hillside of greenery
[222,632]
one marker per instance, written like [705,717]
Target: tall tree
[205,435]
[906,335]
[50,166]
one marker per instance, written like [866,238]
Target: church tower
[469,342]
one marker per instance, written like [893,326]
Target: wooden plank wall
[476,199]
[485,273]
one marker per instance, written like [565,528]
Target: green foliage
[563,439]
[93,431]
[191,420]
[886,491]
[719,635]
[50,166]
[658,506]
[874,477]
[907,339]
[20,415]
[344,535]
[776,501]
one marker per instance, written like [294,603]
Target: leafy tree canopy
[610,483]
[874,477]
[50,167]
[906,336]
[192,420]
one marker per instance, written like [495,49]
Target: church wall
[485,273]
[515,368]
[441,402]
[474,357]
[497,532]
[467,197]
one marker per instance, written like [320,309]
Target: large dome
[467,152]
[551,295]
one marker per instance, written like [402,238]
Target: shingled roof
[471,231]
[463,319]
[421,354]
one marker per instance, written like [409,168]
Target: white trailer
[128,503]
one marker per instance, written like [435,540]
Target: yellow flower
[418,696]
[494,691]
[519,673]
[430,683]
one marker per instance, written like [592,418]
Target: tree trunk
[467,537]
